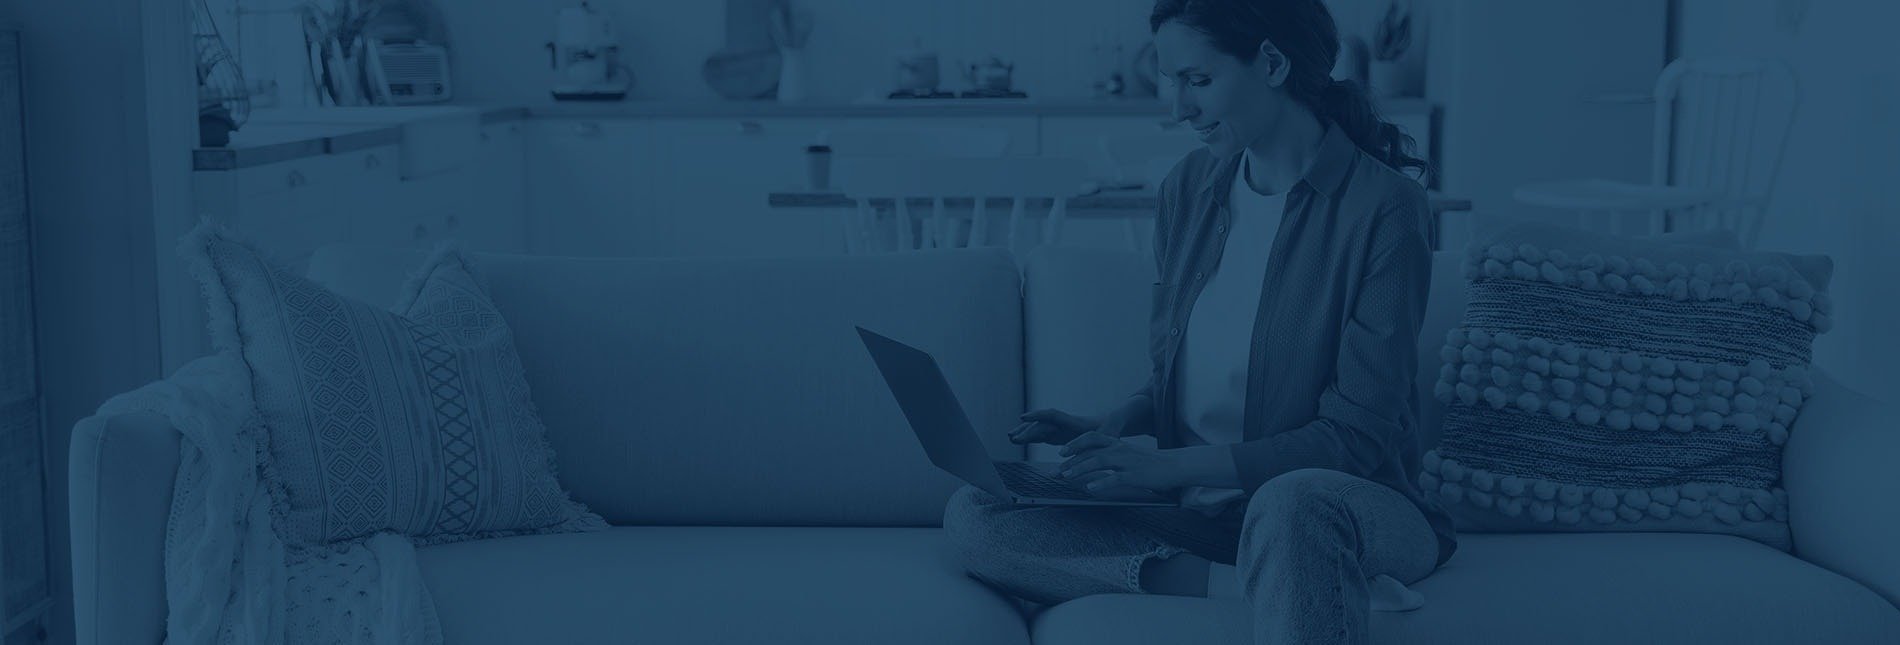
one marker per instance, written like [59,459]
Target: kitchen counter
[923,108]
[258,144]
[884,108]
[273,137]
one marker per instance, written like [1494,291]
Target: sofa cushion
[416,421]
[1552,588]
[739,585]
[1608,383]
[712,391]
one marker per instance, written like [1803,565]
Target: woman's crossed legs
[1305,547]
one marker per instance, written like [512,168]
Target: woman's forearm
[1137,416]
[1209,466]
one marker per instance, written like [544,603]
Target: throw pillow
[1607,383]
[417,421]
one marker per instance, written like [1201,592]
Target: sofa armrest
[122,472]
[1839,471]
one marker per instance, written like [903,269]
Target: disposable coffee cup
[818,166]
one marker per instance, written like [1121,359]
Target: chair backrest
[1132,156]
[948,177]
[940,179]
[941,141]
[1723,123]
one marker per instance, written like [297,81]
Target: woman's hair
[1304,32]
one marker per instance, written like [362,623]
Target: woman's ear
[1273,63]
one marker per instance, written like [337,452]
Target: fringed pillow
[1613,384]
[416,422]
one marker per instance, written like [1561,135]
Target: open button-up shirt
[1330,382]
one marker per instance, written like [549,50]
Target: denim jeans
[1304,547]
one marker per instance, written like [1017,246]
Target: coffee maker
[585,57]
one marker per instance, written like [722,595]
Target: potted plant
[1390,40]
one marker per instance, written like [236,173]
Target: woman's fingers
[1052,415]
[1040,415]
[1085,479]
[1086,442]
[1104,482]
[1027,432]
[1082,466]
[1095,460]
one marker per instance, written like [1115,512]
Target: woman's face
[1229,103]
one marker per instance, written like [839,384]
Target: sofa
[764,487]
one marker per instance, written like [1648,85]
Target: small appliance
[408,72]
[586,57]
[916,74]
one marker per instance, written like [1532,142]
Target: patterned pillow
[1605,383]
[417,422]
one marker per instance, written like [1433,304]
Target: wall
[500,56]
[94,191]
[1835,192]
[1518,84]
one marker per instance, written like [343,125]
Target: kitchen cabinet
[591,187]
[1081,137]
[682,186]
[714,173]
[478,201]
[499,178]
[293,208]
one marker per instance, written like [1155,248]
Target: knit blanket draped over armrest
[229,579]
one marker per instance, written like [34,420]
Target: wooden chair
[944,181]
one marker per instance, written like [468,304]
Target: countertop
[274,137]
[882,108]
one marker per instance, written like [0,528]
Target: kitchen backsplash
[499,53]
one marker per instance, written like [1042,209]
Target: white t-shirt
[1212,365]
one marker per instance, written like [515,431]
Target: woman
[1293,273]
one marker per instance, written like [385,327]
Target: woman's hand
[1102,462]
[1051,426]
[1106,463]
[1055,427]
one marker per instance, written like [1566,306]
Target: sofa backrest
[1085,313]
[735,391]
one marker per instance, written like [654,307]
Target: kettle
[991,74]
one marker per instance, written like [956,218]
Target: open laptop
[938,420]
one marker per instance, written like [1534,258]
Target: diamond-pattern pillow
[417,421]
[1614,384]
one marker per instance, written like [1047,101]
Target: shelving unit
[25,583]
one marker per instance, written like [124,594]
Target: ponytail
[1347,105]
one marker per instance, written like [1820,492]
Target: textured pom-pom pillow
[416,421]
[1616,384]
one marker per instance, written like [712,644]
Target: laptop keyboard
[1023,479]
